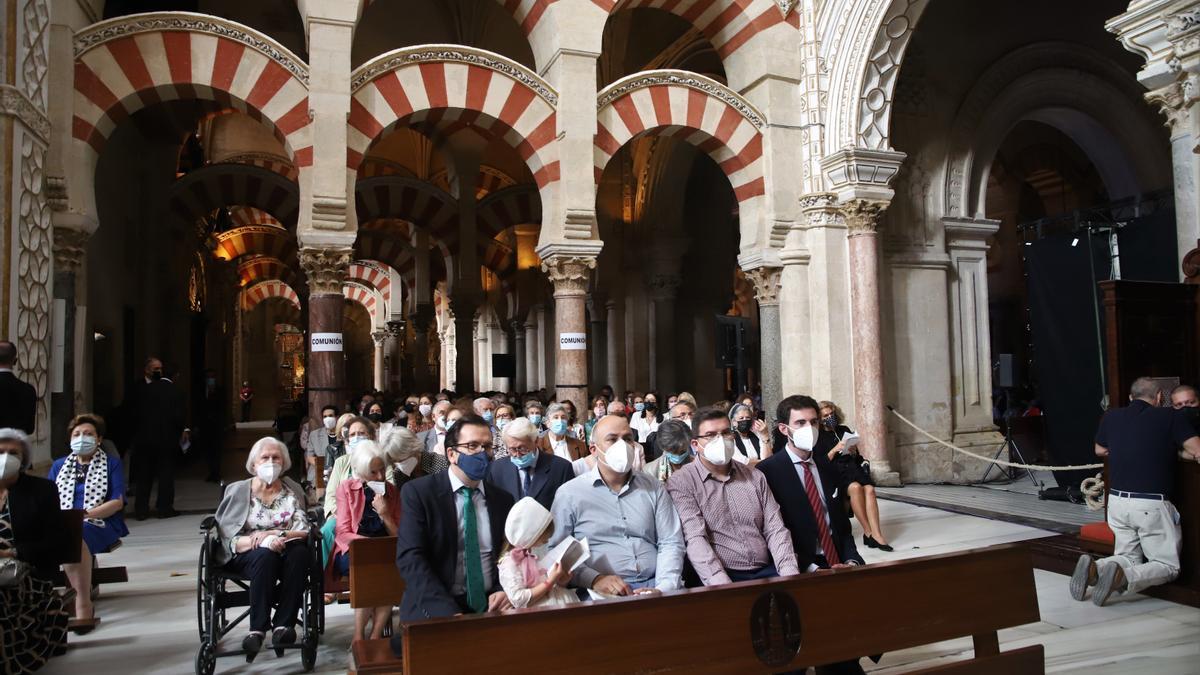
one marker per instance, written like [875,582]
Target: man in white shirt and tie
[436,435]
[527,471]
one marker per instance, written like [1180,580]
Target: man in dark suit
[452,532]
[18,400]
[526,471]
[159,430]
[211,424]
[805,485]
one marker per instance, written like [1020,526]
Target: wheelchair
[219,590]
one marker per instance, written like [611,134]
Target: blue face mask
[475,466]
[524,461]
[677,458]
[355,440]
[488,416]
[535,419]
[558,427]
[639,406]
[450,423]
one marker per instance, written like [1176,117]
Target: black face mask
[1193,416]
[375,417]
[408,407]
[651,406]
[156,375]
[743,426]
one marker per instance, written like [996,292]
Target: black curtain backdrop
[1066,348]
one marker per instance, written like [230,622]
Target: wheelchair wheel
[308,654]
[204,595]
[206,659]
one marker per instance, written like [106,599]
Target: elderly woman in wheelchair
[264,537]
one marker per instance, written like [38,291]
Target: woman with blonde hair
[855,473]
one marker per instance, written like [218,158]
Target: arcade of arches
[437,181]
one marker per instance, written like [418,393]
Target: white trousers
[1148,539]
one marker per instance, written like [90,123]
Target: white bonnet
[526,522]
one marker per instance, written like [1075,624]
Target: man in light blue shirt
[633,532]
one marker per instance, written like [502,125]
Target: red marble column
[326,368]
[570,276]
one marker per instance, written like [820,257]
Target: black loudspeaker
[504,365]
[1006,371]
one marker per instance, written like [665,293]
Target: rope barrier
[1001,462]
[1093,492]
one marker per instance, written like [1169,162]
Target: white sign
[572,341]
[326,342]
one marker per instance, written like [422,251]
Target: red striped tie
[818,509]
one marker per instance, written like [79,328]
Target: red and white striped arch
[367,297]
[215,186]
[413,200]
[526,13]
[457,85]
[255,268]
[490,180]
[272,163]
[689,107]
[241,216]
[125,64]
[373,275]
[266,290]
[728,24]
[516,205]
[256,239]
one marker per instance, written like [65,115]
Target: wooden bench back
[374,579]
[800,621]
[72,523]
[320,467]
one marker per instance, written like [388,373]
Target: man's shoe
[168,514]
[1111,580]
[141,516]
[281,637]
[1084,576]
[252,645]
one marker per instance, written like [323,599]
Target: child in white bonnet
[528,527]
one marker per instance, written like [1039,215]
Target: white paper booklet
[571,552]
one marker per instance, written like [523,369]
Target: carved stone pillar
[540,337]
[766,282]
[421,320]
[570,275]
[599,337]
[379,337]
[463,307]
[482,376]
[662,288]
[862,220]
[519,355]
[69,247]
[326,268]
[1178,103]
[616,345]
[826,271]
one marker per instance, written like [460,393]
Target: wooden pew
[764,626]
[374,582]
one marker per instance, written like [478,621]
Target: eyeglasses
[728,433]
[475,446]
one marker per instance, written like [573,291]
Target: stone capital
[766,284]
[569,274]
[69,248]
[1172,103]
[861,173]
[820,209]
[326,268]
[969,233]
[379,336]
[518,327]
[862,216]
[663,285]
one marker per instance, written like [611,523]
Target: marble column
[532,370]
[598,337]
[69,251]
[828,371]
[862,221]
[662,288]
[570,276]
[326,268]
[615,372]
[497,344]
[970,333]
[543,338]
[421,320]
[1180,103]
[522,381]
[379,337]
[463,308]
[766,282]
[482,376]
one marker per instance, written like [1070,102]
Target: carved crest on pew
[775,628]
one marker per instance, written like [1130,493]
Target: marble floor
[149,624]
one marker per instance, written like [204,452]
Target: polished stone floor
[149,624]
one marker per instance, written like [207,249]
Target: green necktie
[476,593]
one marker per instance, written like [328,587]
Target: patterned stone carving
[569,274]
[14,103]
[33,276]
[682,78]
[379,336]
[1170,102]
[69,248]
[663,285]
[35,51]
[786,6]
[326,268]
[863,216]
[438,53]
[115,29]
[766,285]
[820,210]
[882,70]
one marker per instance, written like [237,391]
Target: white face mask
[619,456]
[406,466]
[440,422]
[804,438]
[377,486]
[718,451]
[269,472]
[329,422]
[425,408]
[83,445]
[10,466]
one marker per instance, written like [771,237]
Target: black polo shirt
[1143,443]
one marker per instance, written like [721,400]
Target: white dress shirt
[484,526]
[812,465]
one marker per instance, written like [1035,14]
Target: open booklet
[571,552]
[850,439]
